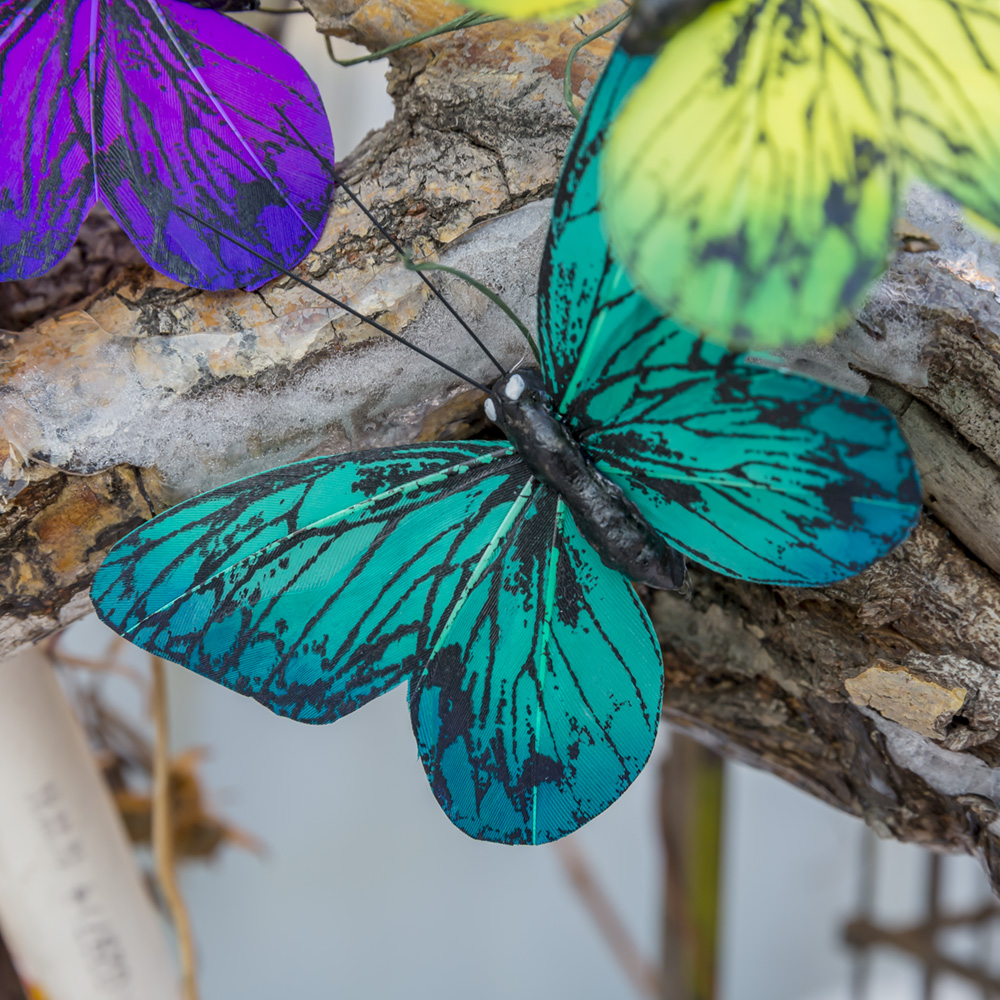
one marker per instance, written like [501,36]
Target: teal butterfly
[494,576]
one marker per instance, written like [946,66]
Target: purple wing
[46,176]
[194,111]
[181,110]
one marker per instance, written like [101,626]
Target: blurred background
[343,878]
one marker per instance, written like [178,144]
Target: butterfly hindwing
[540,702]
[316,586]
[196,112]
[750,181]
[46,173]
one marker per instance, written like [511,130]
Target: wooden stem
[163,834]
[691,825]
[640,973]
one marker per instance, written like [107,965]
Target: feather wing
[196,112]
[750,182]
[157,108]
[754,473]
[575,309]
[533,10]
[539,704]
[945,61]
[46,170]
[316,586]
[758,474]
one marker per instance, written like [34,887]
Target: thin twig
[643,976]
[586,40]
[163,834]
[861,965]
[691,808]
[470,20]
[108,666]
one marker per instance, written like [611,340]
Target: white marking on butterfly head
[490,408]
[514,387]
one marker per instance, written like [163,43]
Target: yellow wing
[533,10]
[946,66]
[749,186]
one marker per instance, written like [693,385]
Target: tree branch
[880,694]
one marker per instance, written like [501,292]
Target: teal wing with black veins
[316,586]
[539,705]
[757,474]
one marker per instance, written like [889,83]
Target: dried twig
[109,664]
[163,843]
[643,976]
[691,825]
[10,984]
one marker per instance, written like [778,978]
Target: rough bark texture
[881,695]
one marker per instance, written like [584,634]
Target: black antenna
[339,181]
[337,302]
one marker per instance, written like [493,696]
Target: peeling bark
[880,695]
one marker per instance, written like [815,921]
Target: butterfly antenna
[337,302]
[339,181]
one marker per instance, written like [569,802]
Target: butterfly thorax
[654,22]
[520,406]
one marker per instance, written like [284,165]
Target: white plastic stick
[73,910]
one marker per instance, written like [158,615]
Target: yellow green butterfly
[752,178]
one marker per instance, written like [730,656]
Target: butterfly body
[521,406]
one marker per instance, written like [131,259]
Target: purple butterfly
[157,108]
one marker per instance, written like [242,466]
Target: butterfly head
[514,394]
[655,22]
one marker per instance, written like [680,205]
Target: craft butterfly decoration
[154,106]
[752,179]
[495,577]
[532,10]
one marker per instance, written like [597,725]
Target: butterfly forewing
[194,111]
[316,586]
[540,704]
[751,180]
[46,173]
[947,65]
[575,302]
